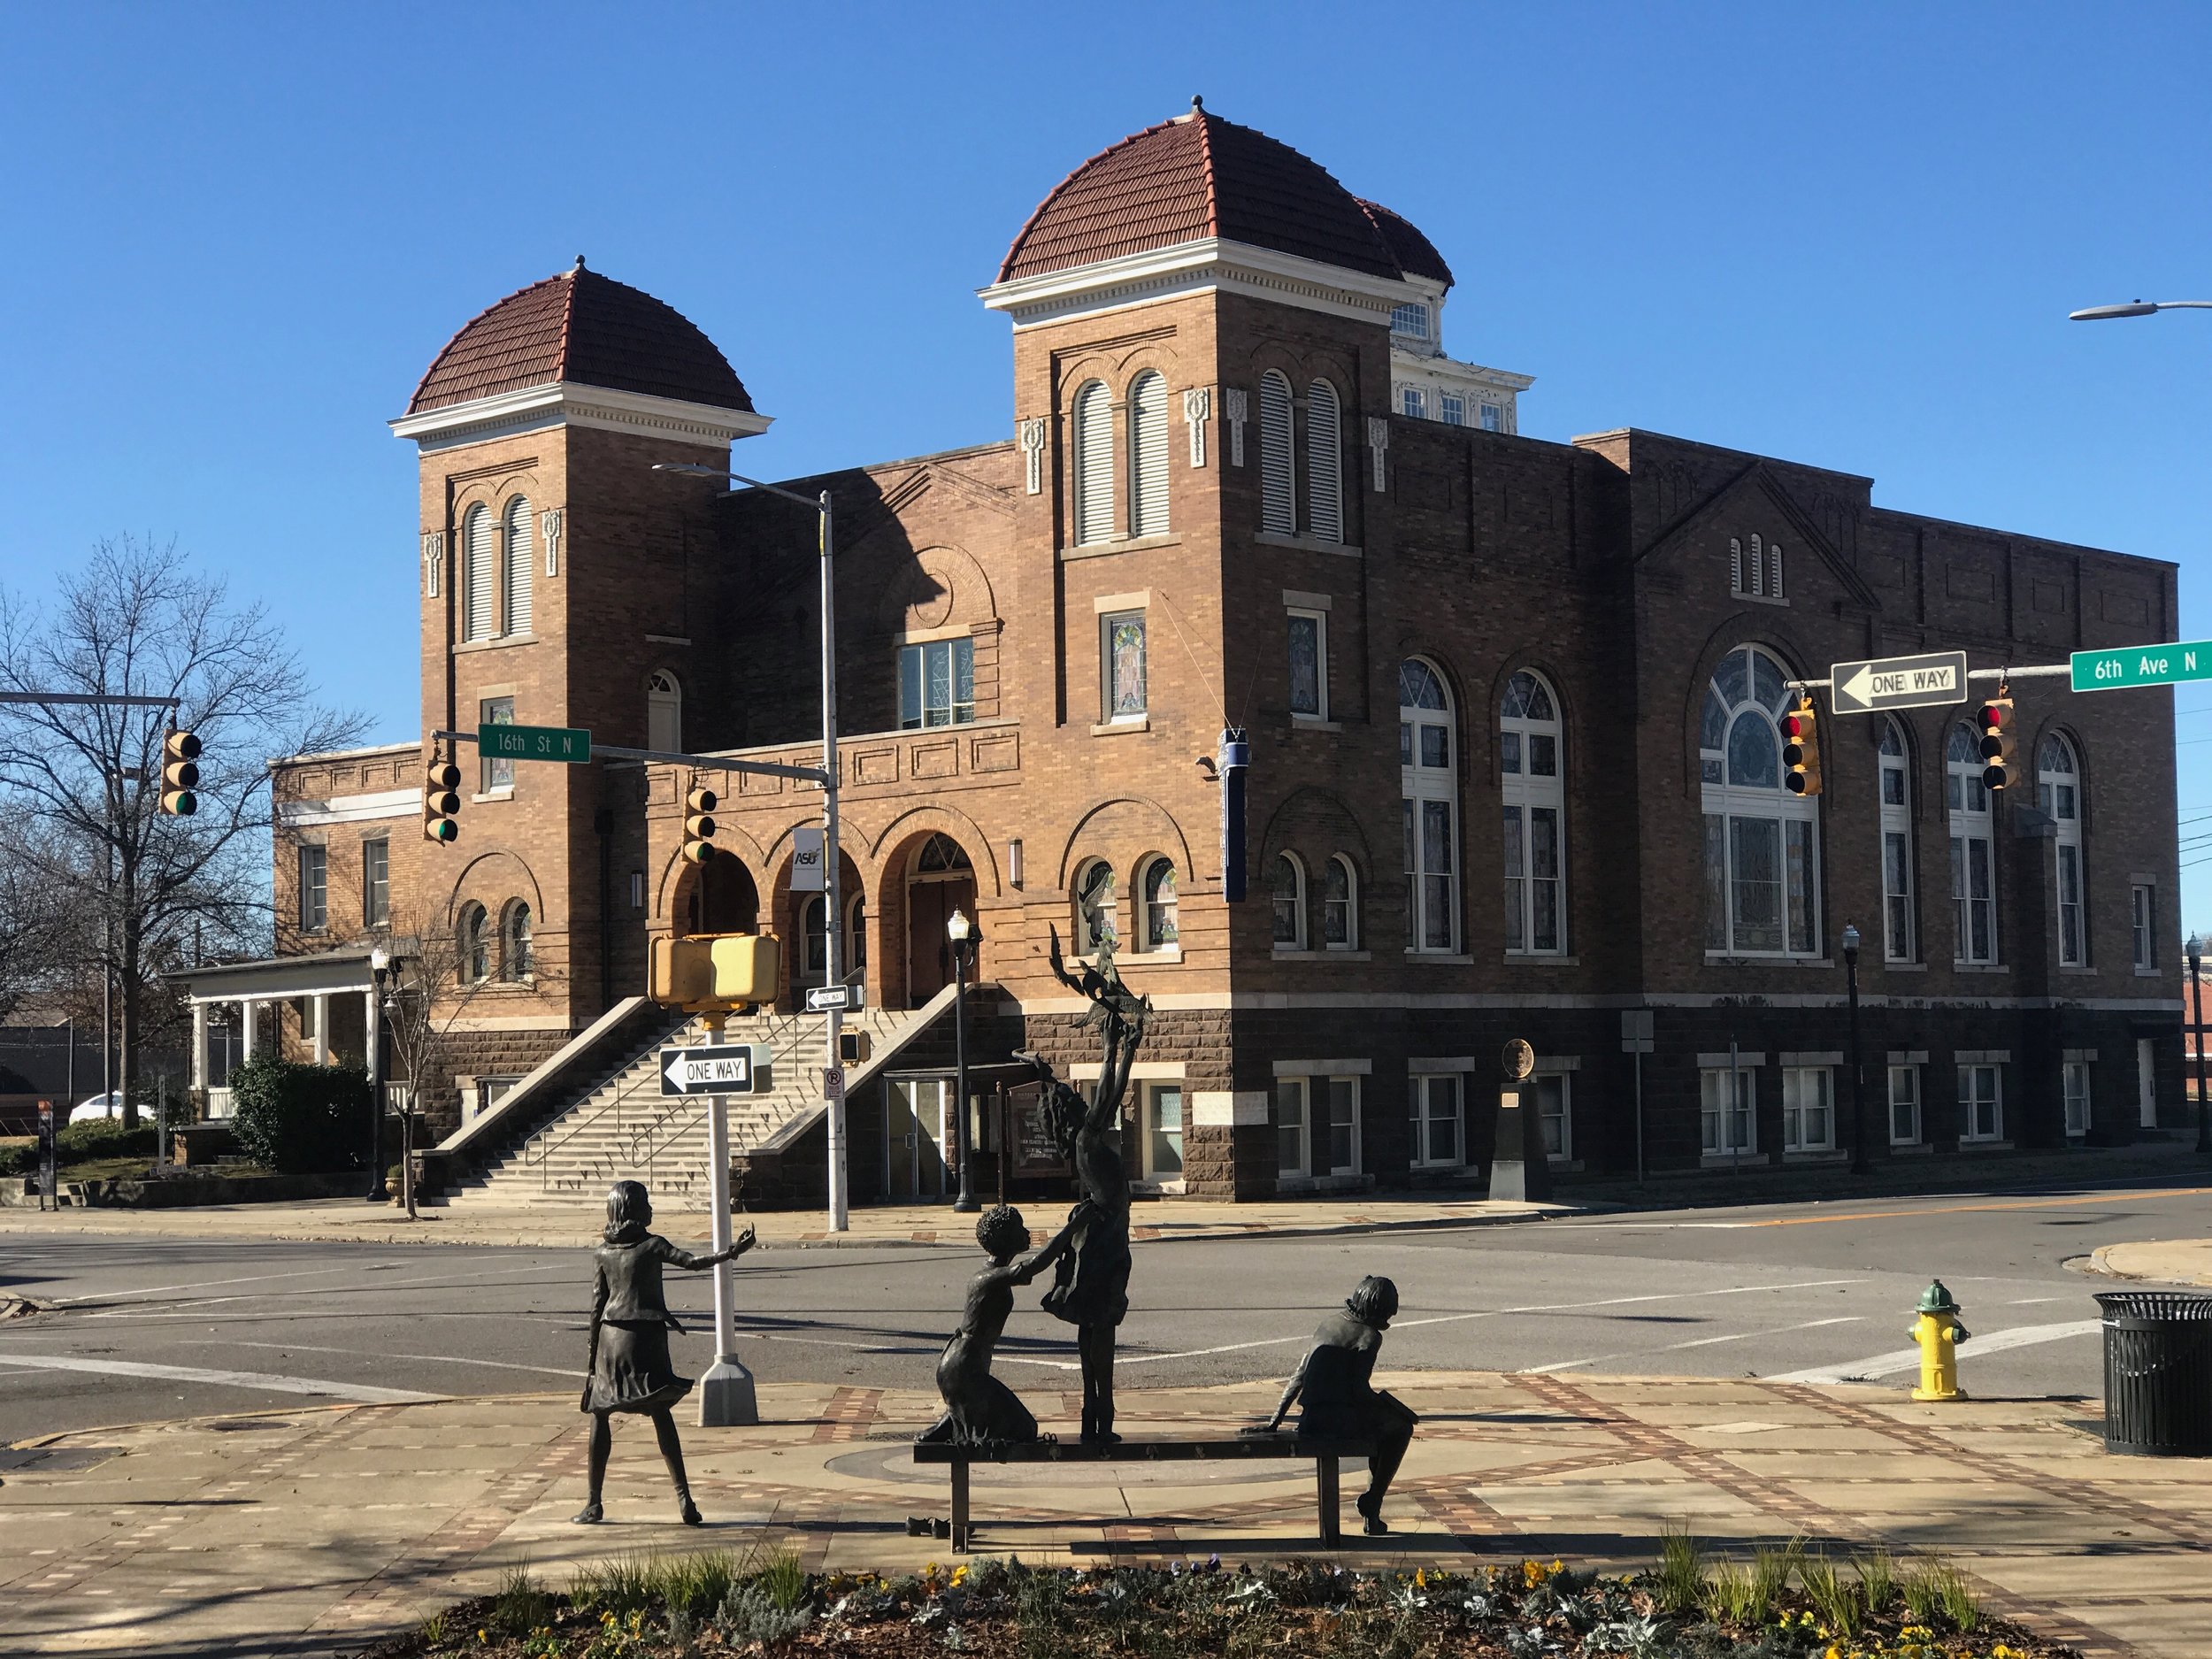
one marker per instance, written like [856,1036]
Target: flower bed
[1783,1604]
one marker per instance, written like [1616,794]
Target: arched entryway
[939,881]
[719,897]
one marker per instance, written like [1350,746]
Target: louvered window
[1325,463]
[520,521]
[1148,456]
[479,565]
[1279,484]
[1093,464]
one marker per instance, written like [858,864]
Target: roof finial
[1197,104]
[580,262]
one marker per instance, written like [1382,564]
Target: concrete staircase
[624,1128]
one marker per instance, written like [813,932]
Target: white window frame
[1715,1127]
[2058,792]
[480,574]
[1893,781]
[1548,1086]
[1426,1091]
[954,653]
[518,525]
[2142,923]
[1292,616]
[1108,714]
[2074,1093]
[1342,863]
[1818,1082]
[475,965]
[1414,402]
[498,771]
[1908,1098]
[1300,1090]
[1325,463]
[1424,790]
[1278,455]
[1526,794]
[1493,417]
[314,887]
[1148,474]
[518,943]
[664,711]
[1088,935]
[1973,847]
[1346,1087]
[1091,424]
[1150,913]
[1149,1098]
[1410,321]
[1729,804]
[376,891]
[1453,408]
[1293,906]
[1969,1101]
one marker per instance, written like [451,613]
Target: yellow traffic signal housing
[699,825]
[854,1047]
[441,803]
[1801,748]
[180,774]
[2001,758]
[705,973]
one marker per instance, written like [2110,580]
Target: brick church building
[1511,707]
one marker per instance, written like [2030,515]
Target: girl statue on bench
[1334,1381]
[980,1409]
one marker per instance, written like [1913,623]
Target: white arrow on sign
[727,1069]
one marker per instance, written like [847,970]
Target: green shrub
[1877,1579]
[1681,1577]
[1834,1597]
[293,1118]
[106,1138]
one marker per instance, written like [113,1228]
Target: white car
[98,1107]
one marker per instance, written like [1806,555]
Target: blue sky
[236,234]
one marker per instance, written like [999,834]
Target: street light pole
[380,1192]
[962,933]
[1858,1072]
[832,919]
[2196,1026]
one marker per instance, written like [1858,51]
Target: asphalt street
[161,1328]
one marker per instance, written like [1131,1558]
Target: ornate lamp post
[1858,1084]
[962,933]
[2196,1027]
[379,1192]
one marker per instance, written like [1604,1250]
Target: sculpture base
[1515,1181]
[726,1396]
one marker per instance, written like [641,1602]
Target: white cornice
[570,403]
[349,809]
[1208,264]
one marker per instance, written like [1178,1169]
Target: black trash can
[2157,1373]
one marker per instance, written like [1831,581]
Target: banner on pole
[806,859]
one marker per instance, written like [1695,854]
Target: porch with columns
[341,1014]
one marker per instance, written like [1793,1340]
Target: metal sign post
[726,1397]
[1636,1040]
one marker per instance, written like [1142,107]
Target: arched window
[517,960]
[1325,462]
[1762,843]
[1094,464]
[479,579]
[1148,454]
[1290,903]
[813,942]
[473,948]
[664,712]
[1279,478]
[1094,906]
[519,522]
[941,855]
[855,937]
[2058,792]
[1340,904]
[1897,905]
[1535,805]
[1156,889]
[1973,867]
[1428,773]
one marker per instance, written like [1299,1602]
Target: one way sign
[1897,682]
[735,1068]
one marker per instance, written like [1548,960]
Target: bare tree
[34,929]
[82,783]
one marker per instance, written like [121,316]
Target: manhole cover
[245,1426]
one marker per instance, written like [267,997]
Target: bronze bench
[1325,1455]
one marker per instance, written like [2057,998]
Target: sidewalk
[349,1220]
[316,1531]
[2163,1262]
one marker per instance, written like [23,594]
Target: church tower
[560,579]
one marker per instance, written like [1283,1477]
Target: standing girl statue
[1090,1286]
[630,1322]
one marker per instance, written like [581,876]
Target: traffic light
[1999,760]
[713,972]
[699,825]
[1801,748]
[441,802]
[180,774]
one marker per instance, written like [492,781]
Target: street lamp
[2135,308]
[2196,1026]
[379,1192]
[1858,1086]
[833,909]
[960,932]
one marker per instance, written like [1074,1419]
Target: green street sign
[2142,665]
[533,742]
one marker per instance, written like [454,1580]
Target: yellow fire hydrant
[1938,1333]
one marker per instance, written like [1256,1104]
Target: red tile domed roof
[586,329]
[1415,253]
[1199,176]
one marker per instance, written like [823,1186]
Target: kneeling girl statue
[980,1409]
[630,1322]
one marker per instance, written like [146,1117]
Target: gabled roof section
[1759,477]
[1415,253]
[1197,177]
[584,329]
